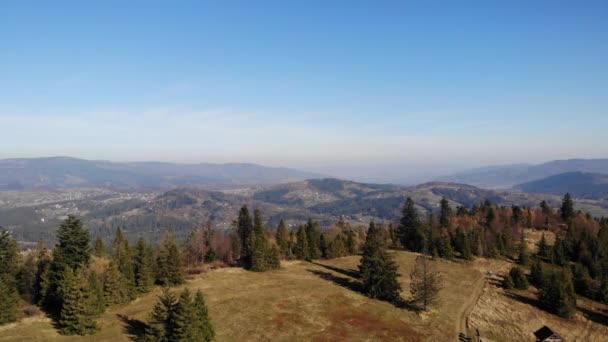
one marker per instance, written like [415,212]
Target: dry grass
[301,302]
[514,316]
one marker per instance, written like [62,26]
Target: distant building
[546,334]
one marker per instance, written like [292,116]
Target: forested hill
[579,184]
[323,200]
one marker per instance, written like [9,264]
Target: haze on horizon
[362,90]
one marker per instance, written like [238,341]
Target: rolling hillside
[579,184]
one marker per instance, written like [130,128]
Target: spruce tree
[425,284]
[543,248]
[72,251]
[313,235]
[507,282]
[142,266]
[519,278]
[99,249]
[557,294]
[168,263]
[378,270]
[115,287]
[201,325]
[537,275]
[182,318]
[263,256]
[410,230]
[43,271]
[567,209]
[76,316]
[9,264]
[160,323]
[122,257]
[523,258]
[301,248]
[445,213]
[245,227]
[282,238]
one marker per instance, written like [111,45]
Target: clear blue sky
[321,85]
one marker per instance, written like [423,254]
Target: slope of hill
[509,175]
[579,184]
[65,172]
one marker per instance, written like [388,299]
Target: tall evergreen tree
[313,236]
[99,249]
[425,283]
[182,318]
[567,209]
[244,227]
[123,259]
[201,324]
[378,270]
[263,256]
[168,263]
[410,230]
[282,238]
[72,251]
[142,266]
[523,257]
[160,323]
[115,287]
[26,278]
[43,271]
[9,264]
[301,248]
[543,248]
[445,213]
[557,294]
[76,316]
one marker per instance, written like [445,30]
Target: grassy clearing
[301,302]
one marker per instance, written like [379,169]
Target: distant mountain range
[507,176]
[578,184]
[66,172]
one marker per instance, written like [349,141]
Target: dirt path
[465,310]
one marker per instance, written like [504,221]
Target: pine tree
[142,266]
[115,286]
[9,263]
[445,214]
[122,258]
[567,209]
[263,256]
[519,278]
[312,234]
[523,258]
[168,263]
[557,294]
[182,318]
[350,244]
[543,248]
[72,251]
[425,284]
[301,248]
[201,324]
[410,230]
[537,275]
[160,323]
[97,301]
[76,317]
[99,250]
[378,270]
[245,227]
[282,238]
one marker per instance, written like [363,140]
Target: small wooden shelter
[546,334]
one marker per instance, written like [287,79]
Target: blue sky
[367,87]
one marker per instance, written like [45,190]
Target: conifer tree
[115,287]
[410,230]
[523,258]
[97,301]
[378,270]
[282,238]
[537,276]
[168,262]
[336,247]
[507,282]
[519,278]
[543,248]
[160,323]
[263,256]
[43,270]
[26,278]
[567,209]
[142,266]
[9,263]
[244,227]
[301,249]
[350,244]
[557,294]
[122,258]
[425,284]
[182,318]
[201,324]
[99,249]
[72,251]
[445,213]
[76,316]
[313,235]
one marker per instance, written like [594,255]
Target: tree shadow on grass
[345,271]
[595,316]
[135,328]
[356,286]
